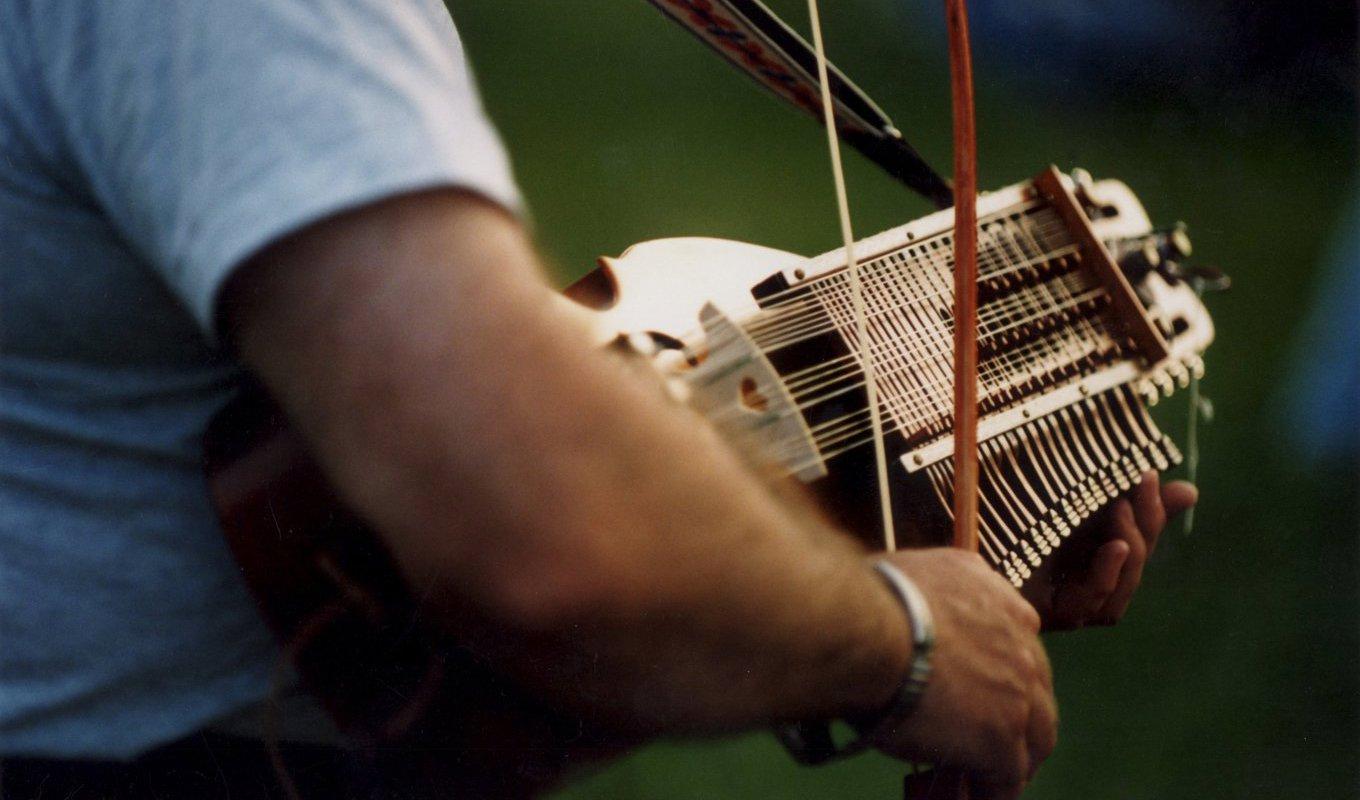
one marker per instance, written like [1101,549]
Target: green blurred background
[1235,673]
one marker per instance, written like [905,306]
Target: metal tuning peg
[1150,250]
[1206,278]
[1171,244]
[1138,256]
[1174,248]
[1176,242]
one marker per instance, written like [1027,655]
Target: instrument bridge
[744,397]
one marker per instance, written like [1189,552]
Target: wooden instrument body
[422,710]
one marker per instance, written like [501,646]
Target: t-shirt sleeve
[207,129]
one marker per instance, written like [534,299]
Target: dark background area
[1235,673]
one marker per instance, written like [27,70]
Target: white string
[840,432]
[814,324]
[782,310]
[856,288]
[995,367]
[1017,362]
[808,316]
[1033,360]
[785,314]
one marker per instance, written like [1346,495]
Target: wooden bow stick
[965,280]
[952,784]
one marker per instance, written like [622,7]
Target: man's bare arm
[602,547]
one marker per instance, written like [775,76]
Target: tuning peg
[1206,278]
[1176,242]
[1139,255]
[641,343]
[1150,254]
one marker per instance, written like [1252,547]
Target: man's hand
[989,707]
[1094,585]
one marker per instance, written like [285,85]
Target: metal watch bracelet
[812,742]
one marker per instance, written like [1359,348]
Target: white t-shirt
[147,148]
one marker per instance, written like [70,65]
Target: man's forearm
[604,548]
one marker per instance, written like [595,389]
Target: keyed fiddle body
[1076,338]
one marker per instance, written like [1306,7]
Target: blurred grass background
[1235,673]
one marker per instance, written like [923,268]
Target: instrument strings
[837,436]
[1001,311]
[801,322]
[900,355]
[802,315]
[921,345]
[804,384]
[1046,223]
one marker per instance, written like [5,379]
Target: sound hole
[751,397]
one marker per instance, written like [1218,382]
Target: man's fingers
[1076,603]
[1178,497]
[1126,529]
[1148,509]
[1101,593]
[1106,567]
[1043,733]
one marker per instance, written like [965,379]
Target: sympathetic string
[1025,305]
[800,317]
[1008,316]
[923,393]
[785,332]
[849,365]
[999,264]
